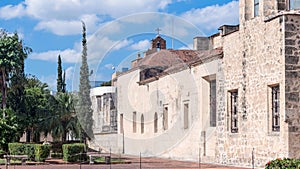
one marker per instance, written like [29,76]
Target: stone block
[291,59]
[289,50]
[293,96]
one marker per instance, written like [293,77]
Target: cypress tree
[85,111]
[59,75]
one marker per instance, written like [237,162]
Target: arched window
[142,123]
[134,122]
[155,122]
[165,118]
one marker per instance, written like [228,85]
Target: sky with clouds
[116,30]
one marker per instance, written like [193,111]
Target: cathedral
[234,99]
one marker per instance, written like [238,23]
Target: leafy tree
[106,83]
[59,75]
[85,111]
[8,128]
[12,55]
[36,100]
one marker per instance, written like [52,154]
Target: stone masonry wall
[292,90]
[253,61]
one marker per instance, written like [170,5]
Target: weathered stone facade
[292,76]
[262,54]
[105,118]
[165,107]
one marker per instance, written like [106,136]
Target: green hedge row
[37,152]
[283,163]
[74,152]
[56,146]
[41,152]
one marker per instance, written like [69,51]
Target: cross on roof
[157,30]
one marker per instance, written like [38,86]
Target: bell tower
[158,42]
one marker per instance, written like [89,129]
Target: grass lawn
[113,160]
[12,161]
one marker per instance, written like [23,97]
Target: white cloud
[141,45]
[212,17]
[50,80]
[68,55]
[122,44]
[62,17]
[60,27]
[97,48]
[10,11]
[64,27]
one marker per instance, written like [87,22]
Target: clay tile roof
[165,62]
[170,58]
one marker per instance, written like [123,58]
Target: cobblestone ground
[147,163]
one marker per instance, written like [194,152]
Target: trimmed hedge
[56,146]
[74,152]
[41,152]
[283,163]
[36,152]
[22,149]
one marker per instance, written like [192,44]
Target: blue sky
[117,30]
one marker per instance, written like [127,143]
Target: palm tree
[64,119]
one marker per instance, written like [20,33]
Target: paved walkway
[147,163]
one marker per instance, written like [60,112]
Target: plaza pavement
[147,163]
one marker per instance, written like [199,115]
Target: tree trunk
[63,137]
[28,133]
[3,90]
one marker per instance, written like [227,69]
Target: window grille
[234,111]
[275,109]
[213,111]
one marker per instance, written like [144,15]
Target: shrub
[283,163]
[74,152]
[41,152]
[29,150]
[56,146]
[15,148]
[36,152]
[21,149]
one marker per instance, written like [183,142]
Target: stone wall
[253,61]
[292,81]
[107,142]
